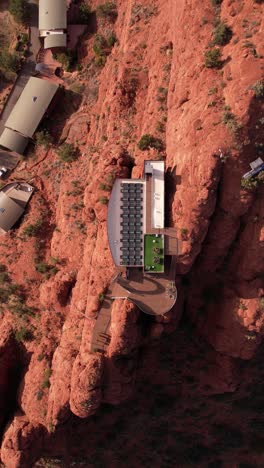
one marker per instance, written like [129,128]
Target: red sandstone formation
[154,81]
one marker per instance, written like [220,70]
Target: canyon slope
[184,389]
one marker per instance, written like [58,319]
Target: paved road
[28,67]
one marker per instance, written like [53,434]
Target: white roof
[256,163]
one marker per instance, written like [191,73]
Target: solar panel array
[131,224]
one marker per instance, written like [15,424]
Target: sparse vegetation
[46,380]
[102,47]
[47,269]
[213,58]
[43,138]
[8,62]
[85,13]
[23,334]
[111,39]
[67,59]
[105,187]
[258,88]
[31,230]
[107,10]
[252,182]
[216,3]
[19,10]
[148,141]
[103,200]
[184,233]
[67,152]
[229,119]
[222,34]
[101,297]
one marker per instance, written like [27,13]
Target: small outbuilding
[14,198]
[53,23]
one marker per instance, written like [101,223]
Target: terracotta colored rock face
[209,126]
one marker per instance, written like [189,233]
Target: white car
[3,171]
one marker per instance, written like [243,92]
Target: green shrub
[222,34]
[67,59]
[99,45]
[216,3]
[31,230]
[85,13]
[67,152]
[46,380]
[100,61]
[101,297]
[229,119]
[23,335]
[148,141]
[24,38]
[19,10]
[111,39]
[249,184]
[46,269]
[8,62]
[4,278]
[43,138]
[105,187]
[107,10]
[103,200]
[184,233]
[213,58]
[259,89]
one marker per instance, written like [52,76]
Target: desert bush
[253,182]
[8,62]
[111,39]
[229,119]
[46,269]
[107,10]
[103,200]
[212,58]
[67,59]
[101,297]
[46,379]
[43,138]
[19,10]
[99,45]
[216,3]
[31,230]
[23,335]
[85,13]
[258,88]
[222,34]
[67,152]
[148,141]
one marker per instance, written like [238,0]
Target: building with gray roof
[53,23]
[27,114]
[14,198]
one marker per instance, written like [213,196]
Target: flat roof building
[53,23]
[136,208]
[14,198]
[27,114]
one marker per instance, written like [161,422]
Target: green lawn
[153,253]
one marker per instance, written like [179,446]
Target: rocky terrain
[166,393]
